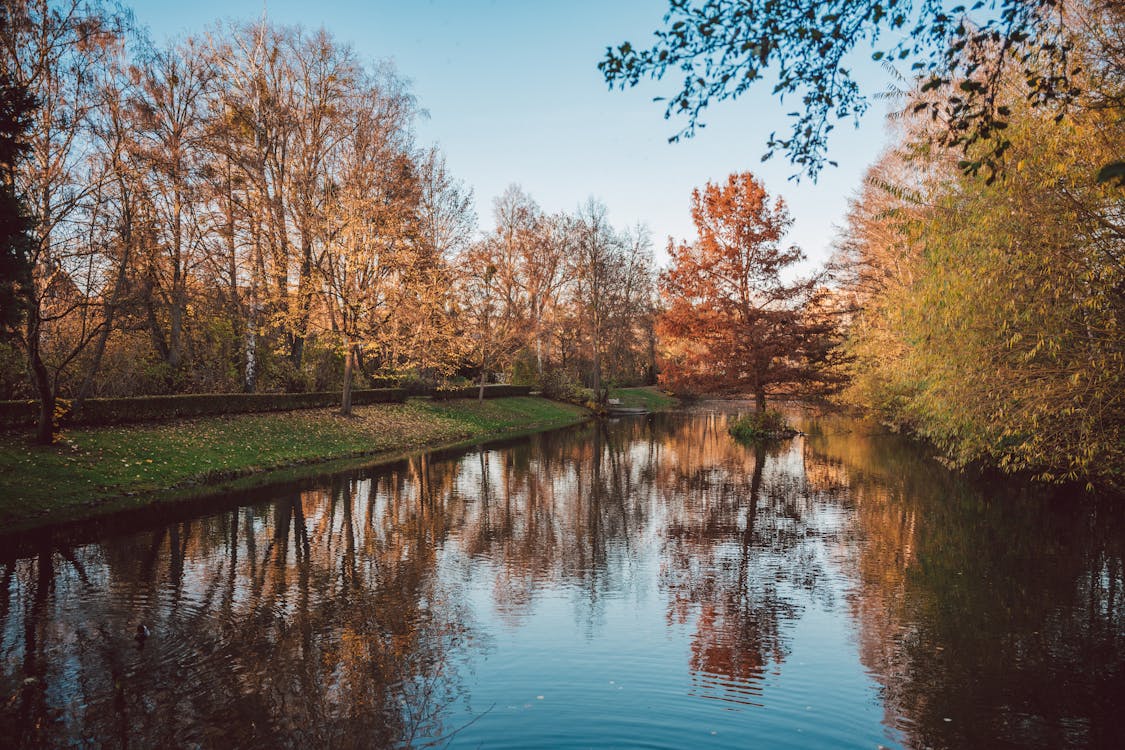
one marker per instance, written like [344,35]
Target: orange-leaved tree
[731,322]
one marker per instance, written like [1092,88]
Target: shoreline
[46,489]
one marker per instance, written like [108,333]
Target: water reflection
[313,621]
[990,617]
[843,581]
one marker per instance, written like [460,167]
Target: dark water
[646,583]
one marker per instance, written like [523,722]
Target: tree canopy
[732,320]
[723,47]
[988,316]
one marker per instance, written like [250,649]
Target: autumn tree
[446,225]
[599,302]
[485,328]
[988,315]
[630,329]
[372,258]
[594,267]
[170,124]
[732,322]
[546,281]
[248,210]
[124,220]
[254,133]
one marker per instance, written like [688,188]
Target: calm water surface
[643,583]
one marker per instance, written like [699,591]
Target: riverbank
[93,472]
[647,397]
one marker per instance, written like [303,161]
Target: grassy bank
[649,397]
[103,470]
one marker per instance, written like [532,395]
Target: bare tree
[57,53]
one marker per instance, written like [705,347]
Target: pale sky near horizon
[514,96]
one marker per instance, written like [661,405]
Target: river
[645,582]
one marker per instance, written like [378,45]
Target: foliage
[989,314]
[731,323]
[490,391]
[558,385]
[723,47]
[55,56]
[760,425]
[542,293]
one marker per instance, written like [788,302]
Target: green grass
[649,397]
[92,471]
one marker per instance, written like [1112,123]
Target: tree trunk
[107,328]
[597,342]
[597,372]
[176,321]
[45,433]
[250,373]
[155,332]
[304,303]
[349,366]
[650,378]
[483,375]
[179,291]
[538,353]
[760,400]
[486,339]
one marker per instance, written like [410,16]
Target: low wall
[96,411]
[100,411]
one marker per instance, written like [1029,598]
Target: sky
[513,95]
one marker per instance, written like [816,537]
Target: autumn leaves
[734,319]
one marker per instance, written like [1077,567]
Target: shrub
[524,370]
[557,384]
[473,391]
[761,426]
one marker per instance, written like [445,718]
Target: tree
[723,47]
[545,266]
[16,107]
[731,323]
[249,210]
[58,54]
[446,225]
[489,333]
[171,125]
[989,315]
[629,323]
[372,256]
[599,249]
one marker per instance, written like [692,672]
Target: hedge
[97,411]
[490,391]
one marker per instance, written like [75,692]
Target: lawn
[88,467]
[650,397]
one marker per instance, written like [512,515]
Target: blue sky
[514,95]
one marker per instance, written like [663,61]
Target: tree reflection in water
[351,615]
[743,537]
[990,616]
[314,621]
